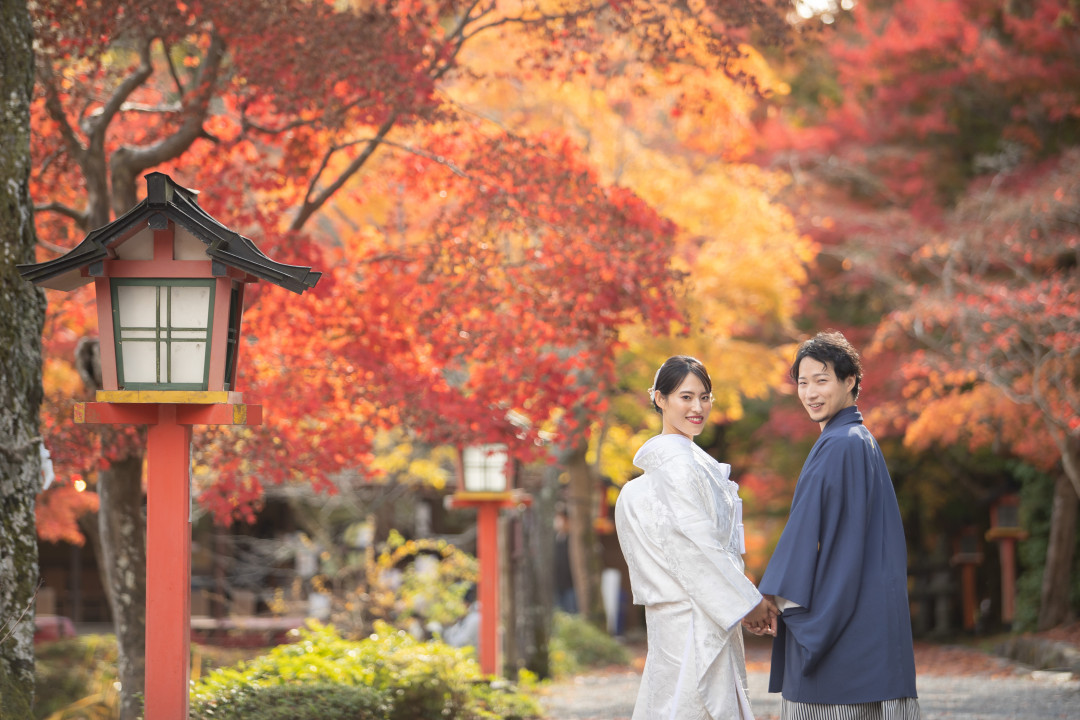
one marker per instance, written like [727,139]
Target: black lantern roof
[165,200]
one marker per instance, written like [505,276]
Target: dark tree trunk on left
[22,315]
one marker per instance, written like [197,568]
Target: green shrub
[76,671]
[326,701]
[14,698]
[418,680]
[577,644]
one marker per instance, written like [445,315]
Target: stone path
[954,684]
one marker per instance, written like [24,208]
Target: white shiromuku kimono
[680,529]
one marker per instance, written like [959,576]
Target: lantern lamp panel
[162,330]
[485,468]
[187,361]
[189,307]
[139,360]
[138,306]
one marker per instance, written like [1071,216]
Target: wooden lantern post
[968,554]
[1006,531]
[488,487]
[169,283]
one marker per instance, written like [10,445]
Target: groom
[839,572]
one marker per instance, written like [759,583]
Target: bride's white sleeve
[702,522]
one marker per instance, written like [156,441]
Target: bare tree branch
[128,162]
[180,90]
[52,247]
[98,123]
[79,216]
[540,18]
[451,166]
[56,111]
[9,625]
[314,201]
[247,124]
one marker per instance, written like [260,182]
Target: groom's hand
[762,619]
[774,613]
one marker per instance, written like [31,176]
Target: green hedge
[576,645]
[327,701]
[401,678]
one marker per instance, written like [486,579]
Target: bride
[680,529]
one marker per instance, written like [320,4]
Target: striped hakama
[896,709]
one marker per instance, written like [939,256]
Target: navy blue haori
[842,559]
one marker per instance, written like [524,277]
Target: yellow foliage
[674,137]
[616,450]
[60,379]
[395,456]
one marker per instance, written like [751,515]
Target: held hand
[762,619]
[774,613]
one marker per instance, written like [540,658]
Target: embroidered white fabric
[680,529]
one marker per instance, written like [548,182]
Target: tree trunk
[22,315]
[122,525]
[1070,457]
[532,546]
[584,550]
[1054,606]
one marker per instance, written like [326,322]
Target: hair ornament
[652,390]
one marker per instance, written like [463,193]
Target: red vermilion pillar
[487,551]
[1006,531]
[168,533]
[168,567]
[967,585]
[1007,552]
[487,554]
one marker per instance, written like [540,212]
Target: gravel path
[958,684]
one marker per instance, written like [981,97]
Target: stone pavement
[954,683]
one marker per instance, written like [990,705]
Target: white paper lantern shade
[162,331]
[484,468]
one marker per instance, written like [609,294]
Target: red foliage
[925,89]
[503,289]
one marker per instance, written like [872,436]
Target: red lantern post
[1005,529]
[488,488]
[170,287]
[968,554]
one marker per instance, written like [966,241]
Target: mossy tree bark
[22,314]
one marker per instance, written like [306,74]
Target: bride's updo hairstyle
[671,374]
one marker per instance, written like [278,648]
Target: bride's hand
[762,619]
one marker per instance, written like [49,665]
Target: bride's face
[687,408]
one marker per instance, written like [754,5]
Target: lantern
[484,469]
[170,296]
[1006,531]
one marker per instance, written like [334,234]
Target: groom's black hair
[830,346]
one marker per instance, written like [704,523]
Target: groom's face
[821,393]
